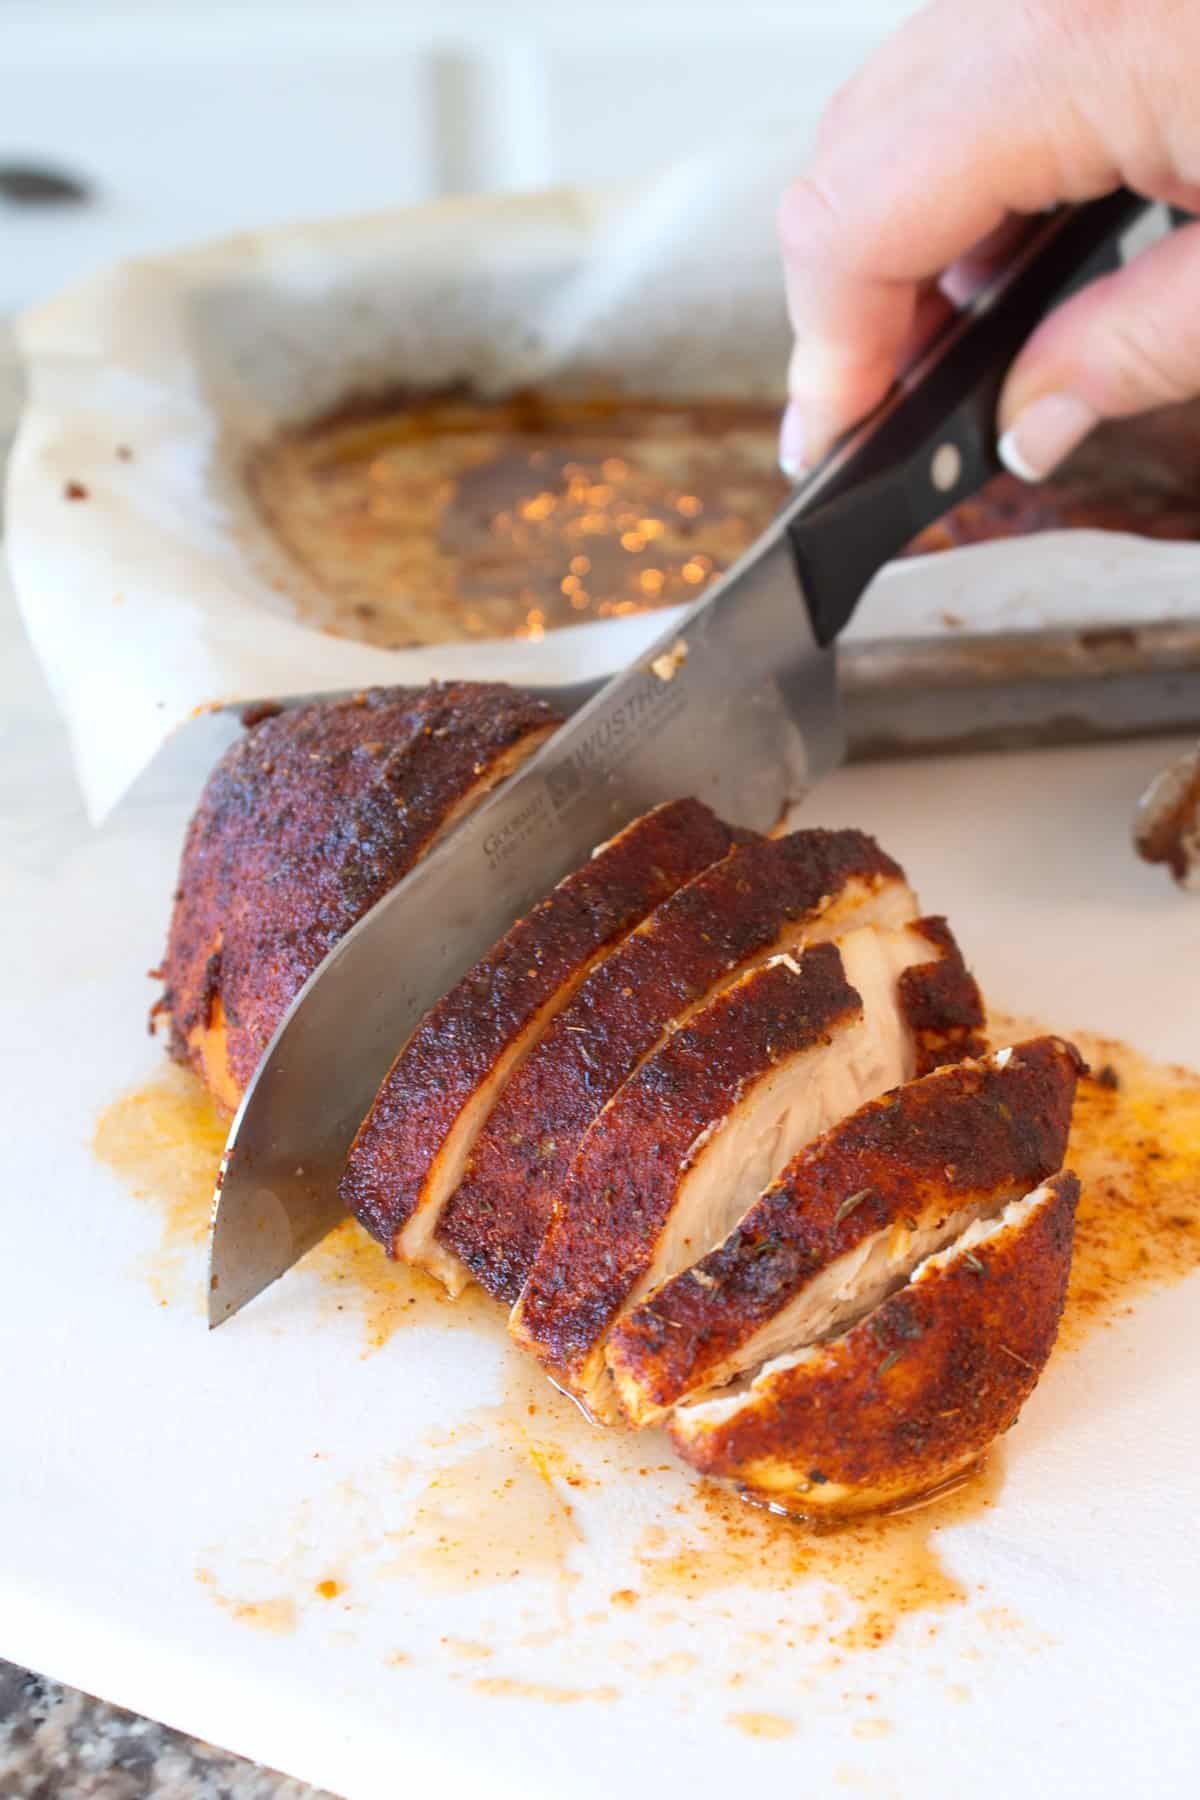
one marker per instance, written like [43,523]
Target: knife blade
[738,706]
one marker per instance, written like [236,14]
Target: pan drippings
[431,519]
[453,518]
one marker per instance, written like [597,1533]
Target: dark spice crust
[942,1003]
[458,1043]
[924,1151]
[916,1391]
[1167,826]
[303,825]
[735,910]
[623,1181]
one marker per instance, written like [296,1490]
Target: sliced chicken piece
[762,899]
[681,1151]
[848,1220]
[911,1395]
[1166,827]
[303,825]
[412,1149]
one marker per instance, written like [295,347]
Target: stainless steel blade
[738,707]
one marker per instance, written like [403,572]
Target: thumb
[1125,344]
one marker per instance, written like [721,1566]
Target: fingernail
[791,443]
[1044,434]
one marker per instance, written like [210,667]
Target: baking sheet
[171,1500]
[160,592]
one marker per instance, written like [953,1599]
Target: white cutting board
[142,1454]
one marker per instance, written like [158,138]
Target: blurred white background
[180,120]
[184,120]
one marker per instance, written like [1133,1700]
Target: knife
[737,705]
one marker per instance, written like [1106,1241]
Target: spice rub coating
[691,1140]
[624,1179]
[942,1003]
[915,1392]
[303,825]
[763,896]
[469,1042]
[965,1139]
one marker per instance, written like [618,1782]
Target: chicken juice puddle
[1135,1144]
[886,1565]
[164,1139]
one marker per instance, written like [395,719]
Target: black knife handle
[932,442]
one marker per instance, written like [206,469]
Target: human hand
[975,113]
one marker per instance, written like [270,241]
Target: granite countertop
[58,1744]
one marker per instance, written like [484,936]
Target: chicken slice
[911,1395]
[411,1150]
[305,823]
[681,1151]
[848,1220]
[762,899]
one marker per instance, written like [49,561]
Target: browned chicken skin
[763,898]
[691,1139]
[303,825]
[414,1145]
[848,1218]
[912,1394]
